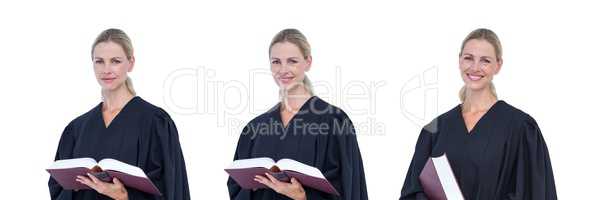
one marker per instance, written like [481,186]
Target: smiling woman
[491,62]
[496,150]
[285,43]
[123,127]
[301,127]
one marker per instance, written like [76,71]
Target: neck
[115,99]
[477,101]
[293,99]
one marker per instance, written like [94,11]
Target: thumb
[116,181]
[294,181]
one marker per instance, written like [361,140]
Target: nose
[285,68]
[105,68]
[476,65]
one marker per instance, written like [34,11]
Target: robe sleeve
[241,152]
[343,165]
[412,188]
[65,151]
[533,177]
[167,169]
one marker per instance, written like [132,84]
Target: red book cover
[438,180]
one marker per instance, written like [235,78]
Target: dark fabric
[141,134]
[503,157]
[320,135]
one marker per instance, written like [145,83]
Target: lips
[286,79]
[474,77]
[108,80]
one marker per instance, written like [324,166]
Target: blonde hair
[119,37]
[490,37]
[295,37]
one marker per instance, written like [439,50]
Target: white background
[551,72]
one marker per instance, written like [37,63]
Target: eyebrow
[275,58]
[272,58]
[118,57]
[487,57]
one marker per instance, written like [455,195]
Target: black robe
[503,157]
[320,135]
[141,134]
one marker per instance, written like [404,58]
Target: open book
[66,171]
[243,172]
[438,180]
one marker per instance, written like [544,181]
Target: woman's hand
[115,190]
[292,190]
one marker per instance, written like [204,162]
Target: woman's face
[478,64]
[111,65]
[288,65]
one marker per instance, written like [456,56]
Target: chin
[290,86]
[476,86]
[111,87]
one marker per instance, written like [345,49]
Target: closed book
[438,180]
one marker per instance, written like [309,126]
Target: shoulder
[319,106]
[156,118]
[72,129]
[267,116]
[516,115]
[148,109]
[84,118]
[522,126]
[337,120]
[434,125]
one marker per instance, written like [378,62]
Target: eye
[98,61]
[275,62]
[486,61]
[468,58]
[293,61]
[116,61]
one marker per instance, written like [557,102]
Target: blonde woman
[123,127]
[302,127]
[495,150]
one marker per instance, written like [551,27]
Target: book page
[73,163]
[289,164]
[447,178]
[115,165]
[252,162]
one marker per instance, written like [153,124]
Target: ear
[500,62]
[131,64]
[308,63]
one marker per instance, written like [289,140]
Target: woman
[496,150]
[301,127]
[123,127]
